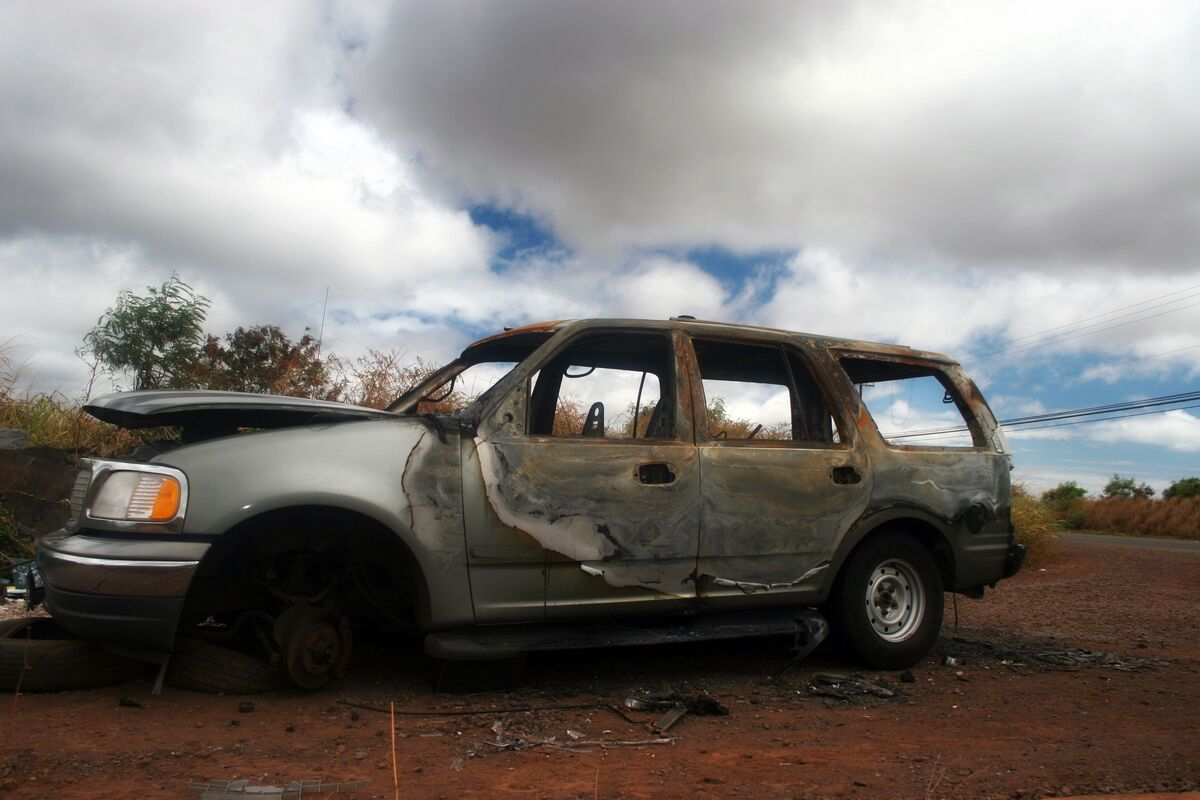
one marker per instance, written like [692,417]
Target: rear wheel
[887,604]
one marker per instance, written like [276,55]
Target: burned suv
[565,484]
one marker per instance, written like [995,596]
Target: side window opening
[761,393]
[913,405]
[606,386]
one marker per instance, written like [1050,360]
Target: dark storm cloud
[1020,134]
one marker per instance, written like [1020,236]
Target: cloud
[1014,134]
[1176,430]
[138,142]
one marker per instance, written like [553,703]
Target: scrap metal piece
[677,712]
[846,687]
[295,790]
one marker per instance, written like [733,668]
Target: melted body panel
[610,538]
[773,517]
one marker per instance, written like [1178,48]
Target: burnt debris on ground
[959,651]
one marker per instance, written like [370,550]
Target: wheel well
[924,533]
[288,552]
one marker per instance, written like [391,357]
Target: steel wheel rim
[895,600]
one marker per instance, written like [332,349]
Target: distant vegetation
[1127,506]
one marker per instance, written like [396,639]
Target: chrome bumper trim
[115,577]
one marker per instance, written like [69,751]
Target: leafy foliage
[1127,488]
[264,360]
[155,338]
[1186,487]
[1069,490]
[12,544]
[1065,503]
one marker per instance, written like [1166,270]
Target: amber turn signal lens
[166,503]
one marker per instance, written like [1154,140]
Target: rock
[908,677]
[13,439]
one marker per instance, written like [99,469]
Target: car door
[593,461]
[782,479]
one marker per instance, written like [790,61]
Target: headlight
[142,495]
[137,497]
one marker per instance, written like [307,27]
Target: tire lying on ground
[205,667]
[36,655]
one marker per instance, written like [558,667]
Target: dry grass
[1177,518]
[54,420]
[1035,525]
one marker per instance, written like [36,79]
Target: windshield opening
[466,380]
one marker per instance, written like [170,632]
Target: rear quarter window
[913,405]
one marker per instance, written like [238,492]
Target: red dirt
[981,728]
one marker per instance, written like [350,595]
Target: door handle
[845,475]
[655,473]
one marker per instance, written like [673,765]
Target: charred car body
[686,479]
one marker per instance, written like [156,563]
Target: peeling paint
[560,504]
[749,587]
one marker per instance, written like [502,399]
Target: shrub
[12,544]
[1128,488]
[1064,503]
[1034,525]
[1187,487]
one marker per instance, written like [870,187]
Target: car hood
[221,409]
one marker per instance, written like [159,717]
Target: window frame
[675,386]
[981,441]
[787,350]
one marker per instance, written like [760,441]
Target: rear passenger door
[781,481]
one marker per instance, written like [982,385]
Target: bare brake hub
[314,645]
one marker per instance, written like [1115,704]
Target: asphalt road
[1133,541]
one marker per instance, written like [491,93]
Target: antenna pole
[321,335]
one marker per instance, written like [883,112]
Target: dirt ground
[1023,713]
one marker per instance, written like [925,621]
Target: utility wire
[1019,339]
[1083,421]
[1058,375]
[1082,332]
[1112,408]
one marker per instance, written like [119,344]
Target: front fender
[398,472]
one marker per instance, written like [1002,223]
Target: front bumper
[127,594]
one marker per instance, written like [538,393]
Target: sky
[961,177]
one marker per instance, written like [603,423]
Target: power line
[1082,332]
[1058,375]
[979,354]
[1111,408]
[1087,421]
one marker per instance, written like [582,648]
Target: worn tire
[203,667]
[56,660]
[886,607]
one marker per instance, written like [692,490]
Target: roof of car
[711,326]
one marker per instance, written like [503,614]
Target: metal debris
[1056,659]
[465,712]
[846,687]
[213,790]
[675,705]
